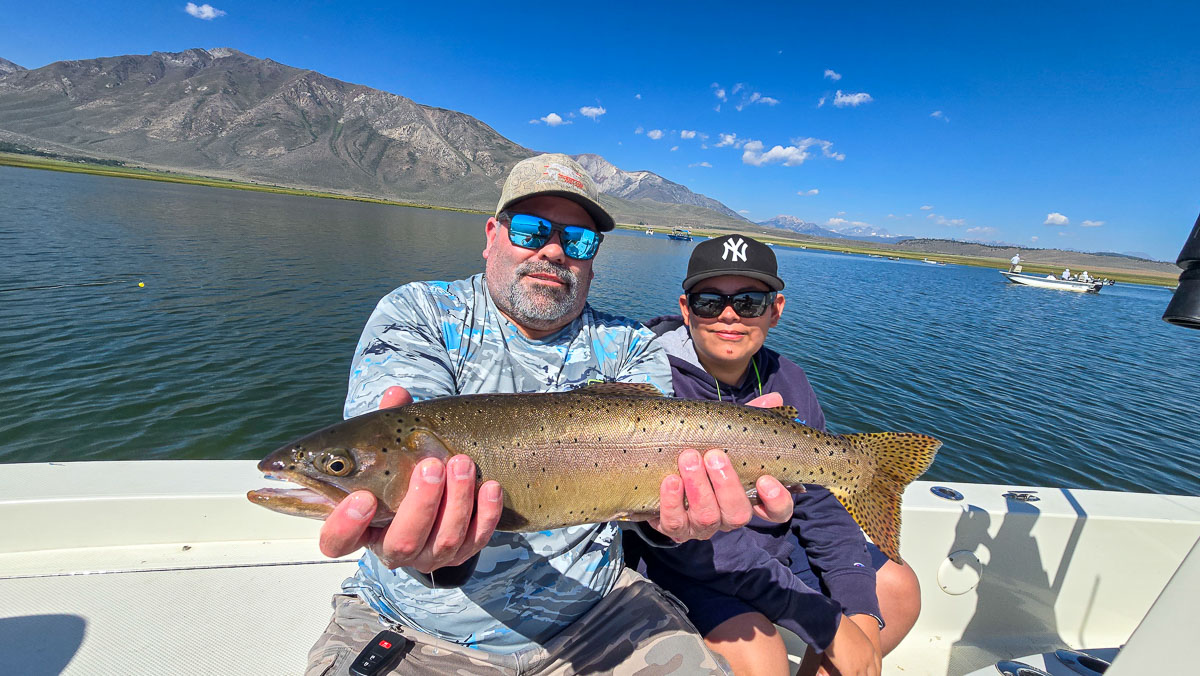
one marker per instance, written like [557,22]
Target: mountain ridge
[853,232]
[227,114]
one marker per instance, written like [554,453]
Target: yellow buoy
[140,284]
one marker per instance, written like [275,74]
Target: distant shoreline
[81,166]
[118,171]
[863,248]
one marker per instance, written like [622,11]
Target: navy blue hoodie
[754,563]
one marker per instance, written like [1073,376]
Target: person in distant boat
[1085,277]
[1014,262]
[739,585]
[1066,273]
[471,600]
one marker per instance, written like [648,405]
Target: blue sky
[1075,125]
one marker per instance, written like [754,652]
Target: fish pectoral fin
[616,389]
[426,444]
[788,412]
[634,516]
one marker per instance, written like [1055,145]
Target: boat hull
[1059,284]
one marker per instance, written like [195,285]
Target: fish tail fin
[899,459]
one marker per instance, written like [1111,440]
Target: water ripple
[242,337]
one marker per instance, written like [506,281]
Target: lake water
[242,337]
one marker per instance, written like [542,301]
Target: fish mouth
[313,499]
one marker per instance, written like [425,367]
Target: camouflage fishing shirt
[439,339]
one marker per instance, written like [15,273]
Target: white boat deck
[163,567]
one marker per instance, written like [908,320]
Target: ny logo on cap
[736,249]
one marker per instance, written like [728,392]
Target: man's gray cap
[558,175]
[733,255]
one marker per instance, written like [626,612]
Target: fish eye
[337,463]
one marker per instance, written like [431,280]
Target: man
[739,584]
[471,600]
[1014,262]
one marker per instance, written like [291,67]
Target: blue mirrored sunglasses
[532,232]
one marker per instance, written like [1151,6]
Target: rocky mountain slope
[7,66]
[865,234]
[645,185]
[223,113]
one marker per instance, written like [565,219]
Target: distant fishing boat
[682,234]
[1049,282]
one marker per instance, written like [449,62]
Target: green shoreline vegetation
[860,248]
[26,159]
[117,170]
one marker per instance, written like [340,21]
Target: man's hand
[440,522]
[852,652]
[716,500]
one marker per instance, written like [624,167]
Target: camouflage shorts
[635,629]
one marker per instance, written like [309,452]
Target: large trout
[594,454]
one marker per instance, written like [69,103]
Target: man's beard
[539,306]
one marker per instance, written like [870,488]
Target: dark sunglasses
[746,304]
[532,232]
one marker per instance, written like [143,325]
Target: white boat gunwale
[156,550]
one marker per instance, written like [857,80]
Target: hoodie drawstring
[757,377]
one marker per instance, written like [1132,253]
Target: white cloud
[1033,239]
[686,133]
[842,100]
[842,223]
[832,75]
[205,11]
[951,222]
[638,130]
[984,230]
[1056,219]
[939,115]
[743,211]
[674,148]
[701,164]
[790,156]
[729,140]
[821,102]
[654,134]
[927,207]
[747,97]
[551,120]
[1092,224]
[638,97]
[813,191]
[593,112]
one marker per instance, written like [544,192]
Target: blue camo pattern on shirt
[439,339]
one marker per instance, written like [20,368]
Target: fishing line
[68,286]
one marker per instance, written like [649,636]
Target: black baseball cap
[733,255]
